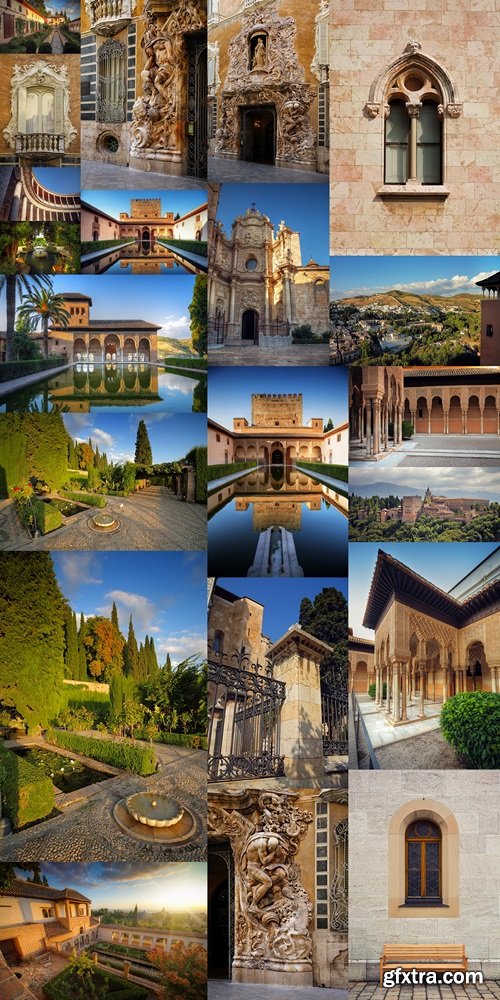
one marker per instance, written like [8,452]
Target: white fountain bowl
[154,809]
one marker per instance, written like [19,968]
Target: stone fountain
[103,522]
[155,817]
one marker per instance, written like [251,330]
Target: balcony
[108,17]
[39,143]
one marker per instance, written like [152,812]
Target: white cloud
[455,285]
[175,326]
[77,567]
[144,612]
[180,645]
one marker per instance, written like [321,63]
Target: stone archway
[277,453]
[476,667]
[95,350]
[144,349]
[250,325]
[455,416]
[258,134]
[111,349]
[220,910]
[360,679]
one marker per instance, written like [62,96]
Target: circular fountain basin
[154,809]
[40,252]
[104,522]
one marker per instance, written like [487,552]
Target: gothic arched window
[423,863]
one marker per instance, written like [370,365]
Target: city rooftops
[32,890]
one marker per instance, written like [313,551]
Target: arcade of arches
[429,645]
[435,401]
[90,341]
[277,887]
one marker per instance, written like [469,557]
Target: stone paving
[296,354]
[152,519]
[489,990]
[222,989]
[109,177]
[87,831]
[427,752]
[244,172]
[443,450]
[382,732]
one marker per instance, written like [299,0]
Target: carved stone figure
[259,57]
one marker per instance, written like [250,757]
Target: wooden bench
[423,957]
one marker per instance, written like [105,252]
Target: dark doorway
[9,951]
[146,239]
[250,326]
[277,456]
[220,909]
[258,130]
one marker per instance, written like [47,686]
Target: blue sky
[114,202]
[441,564]
[281,598]
[164,591]
[171,435]
[63,180]
[118,885]
[304,207]
[324,391]
[422,275]
[155,298]
[72,7]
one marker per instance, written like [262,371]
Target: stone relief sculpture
[53,79]
[155,114]
[273,910]
[274,78]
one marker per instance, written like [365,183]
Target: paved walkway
[382,733]
[221,989]
[296,354]
[443,450]
[152,519]
[14,384]
[110,176]
[489,990]
[243,172]
[56,40]
[427,752]
[194,258]
[87,831]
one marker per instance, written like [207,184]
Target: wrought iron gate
[244,706]
[197,138]
[334,715]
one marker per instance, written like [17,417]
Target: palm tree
[41,305]
[22,284]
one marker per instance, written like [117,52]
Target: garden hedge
[194,740]
[182,362]
[62,988]
[92,499]
[126,756]
[15,369]
[335,471]
[372,690]
[27,794]
[471,723]
[218,471]
[199,457]
[48,518]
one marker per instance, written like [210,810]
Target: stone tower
[490,320]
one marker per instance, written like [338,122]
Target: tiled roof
[31,890]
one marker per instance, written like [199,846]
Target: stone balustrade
[39,142]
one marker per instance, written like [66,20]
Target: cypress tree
[143,453]
[71,657]
[117,694]
[154,665]
[114,617]
[32,616]
[131,653]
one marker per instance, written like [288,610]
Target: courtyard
[450,450]
[152,519]
[222,989]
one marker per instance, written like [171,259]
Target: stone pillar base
[157,161]
[275,973]
[297,164]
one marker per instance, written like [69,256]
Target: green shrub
[334,471]
[89,246]
[470,722]
[407,430]
[198,457]
[192,246]
[92,499]
[62,987]
[45,47]
[30,45]
[27,795]
[16,369]
[373,687]
[176,362]
[126,756]
[217,471]
[48,518]
[194,740]
[71,47]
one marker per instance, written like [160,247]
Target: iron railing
[334,715]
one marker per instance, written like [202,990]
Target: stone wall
[278,410]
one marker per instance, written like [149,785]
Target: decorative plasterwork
[108,17]
[157,113]
[273,910]
[436,82]
[213,81]
[39,74]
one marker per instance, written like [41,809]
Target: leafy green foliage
[335,471]
[31,637]
[143,452]
[365,524]
[176,362]
[177,698]
[27,795]
[66,986]
[218,471]
[194,740]
[471,723]
[34,445]
[184,970]
[198,314]
[198,457]
[91,499]
[139,760]
[326,619]
[17,369]
[372,689]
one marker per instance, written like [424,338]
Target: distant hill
[400,490]
[175,348]
[394,298]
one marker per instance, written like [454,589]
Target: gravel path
[423,753]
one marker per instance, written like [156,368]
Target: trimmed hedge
[126,756]
[92,499]
[470,722]
[62,987]
[92,245]
[48,518]
[27,795]
[335,471]
[198,247]
[176,362]
[199,457]
[193,740]
[217,471]
[372,690]
[16,369]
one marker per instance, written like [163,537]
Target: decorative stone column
[396,691]
[404,692]
[273,913]
[421,668]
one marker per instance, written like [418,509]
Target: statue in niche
[260,55]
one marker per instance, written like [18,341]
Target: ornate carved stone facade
[271,103]
[283,900]
[39,123]
[146,88]
[258,286]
